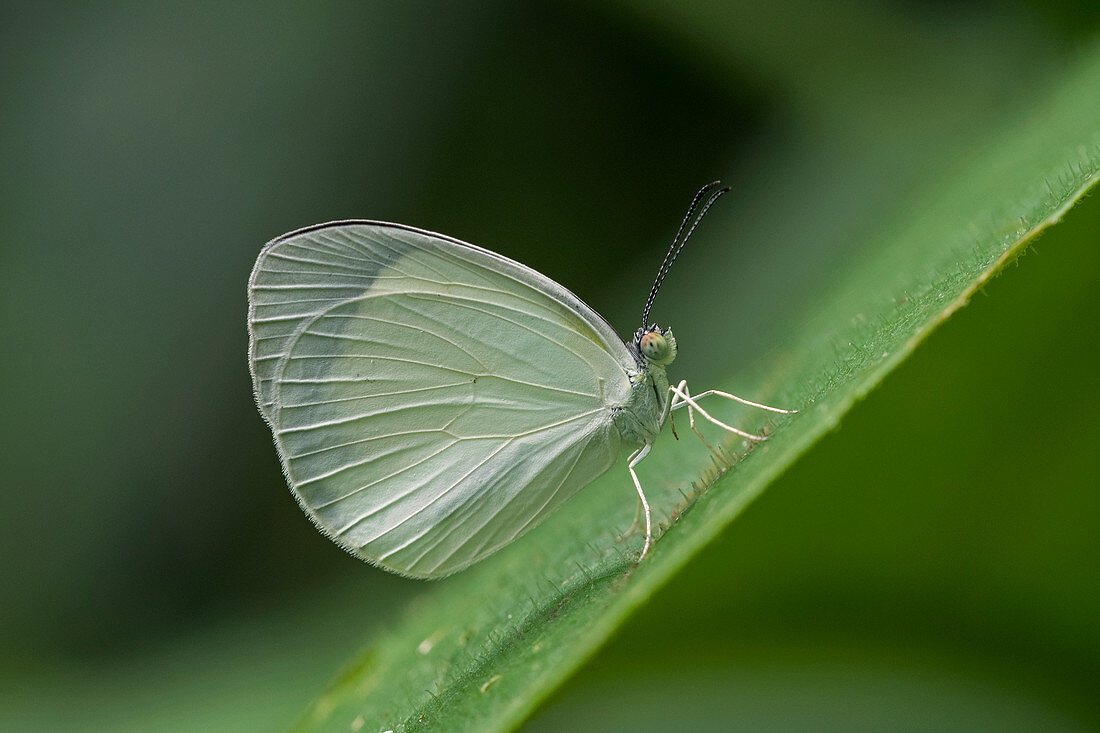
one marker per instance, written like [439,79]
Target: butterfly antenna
[694,215]
[683,225]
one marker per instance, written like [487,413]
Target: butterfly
[431,401]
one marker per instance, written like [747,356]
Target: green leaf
[481,650]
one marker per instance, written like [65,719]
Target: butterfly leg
[728,396]
[682,398]
[635,458]
[676,402]
[639,513]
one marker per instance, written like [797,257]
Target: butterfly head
[657,345]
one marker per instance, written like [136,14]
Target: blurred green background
[932,565]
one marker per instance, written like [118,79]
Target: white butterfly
[431,401]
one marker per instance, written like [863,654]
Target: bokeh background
[932,565]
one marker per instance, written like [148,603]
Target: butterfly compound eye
[654,346]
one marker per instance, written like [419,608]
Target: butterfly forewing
[431,401]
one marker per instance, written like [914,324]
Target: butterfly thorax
[640,419]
